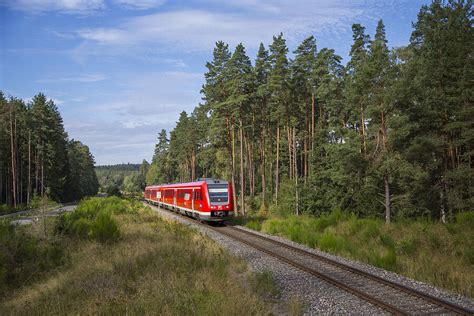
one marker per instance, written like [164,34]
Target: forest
[389,134]
[126,177]
[37,159]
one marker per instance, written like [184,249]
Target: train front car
[219,197]
[208,200]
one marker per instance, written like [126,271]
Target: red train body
[206,200]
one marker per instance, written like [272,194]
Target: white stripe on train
[185,209]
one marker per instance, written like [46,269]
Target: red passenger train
[205,199]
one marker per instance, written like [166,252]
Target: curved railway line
[394,298]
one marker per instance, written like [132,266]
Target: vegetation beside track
[428,251]
[133,262]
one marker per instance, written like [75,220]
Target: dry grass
[156,267]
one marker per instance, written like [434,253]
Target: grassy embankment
[428,251]
[114,256]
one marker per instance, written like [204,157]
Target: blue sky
[121,70]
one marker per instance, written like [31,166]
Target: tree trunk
[251,169]
[290,155]
[313,104]
[388,210]
[28,193]
[242,183]
[362,122]
[277,166]
[230,135]
[193,165]
[305,158]
[262,149]
[12,147]
[296,172]
[42,177]
[233,172]
[442,202]
[1,182]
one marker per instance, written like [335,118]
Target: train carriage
[206,199]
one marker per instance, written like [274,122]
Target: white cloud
[141,4]
[124,127]
[67,6]
[103,36]
[82,79]
[178,63]
[197,30]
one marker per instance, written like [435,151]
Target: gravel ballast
[317,296]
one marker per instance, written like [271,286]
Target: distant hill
[119,167]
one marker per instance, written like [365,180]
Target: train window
[218,192]
[197,193]
[187,196]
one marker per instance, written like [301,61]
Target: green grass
[94,219]
[25,257]
[155,267]
[264,284]
[440,254]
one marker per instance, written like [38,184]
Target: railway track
[390,296]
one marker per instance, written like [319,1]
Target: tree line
[128,178]
[388,134]
[37,158]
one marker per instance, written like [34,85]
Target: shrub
[385,260]
[255,225]
[93,218]
[113,190]
[265,284]
[24,257]
[332,243]
[407,246]
[104,227]
[465,219]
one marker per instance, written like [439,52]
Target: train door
[174,197]
[197,200]
[192,201]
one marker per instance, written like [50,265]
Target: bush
[466,219]
[265,284]
[105,227]
[24,257]
[113,190]
[93,218]
[332,243]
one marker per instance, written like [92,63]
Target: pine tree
[380,109]
[303,86]
[442,111]
[278,86]
[357,81]
[241,94]
[262,117]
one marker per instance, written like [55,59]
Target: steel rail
[452,307]
[366,297]
[414,292]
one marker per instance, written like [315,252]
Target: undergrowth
[155,267]
[94,219]
[440,254]
[25,257]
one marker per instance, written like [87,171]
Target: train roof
[187,184]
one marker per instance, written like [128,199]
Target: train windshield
[218,193]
